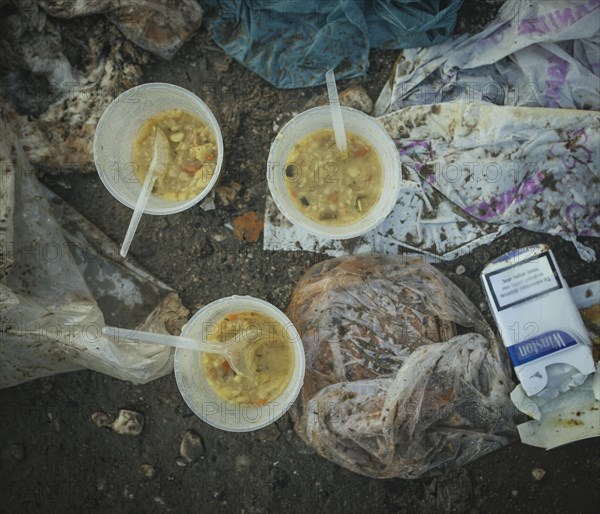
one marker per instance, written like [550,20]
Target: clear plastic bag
[60,281]
[390,389]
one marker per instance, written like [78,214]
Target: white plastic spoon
[158,166]
[234,349]
[336,113]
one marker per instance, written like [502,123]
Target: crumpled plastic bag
[54,280]
[159,26]
[390,390]
[62,101]
[534,53]
[291,44]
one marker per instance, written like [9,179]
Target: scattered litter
[290,43]
[128,422]
[472,172]
[160,26]
[228,193]
[533,54]
[390,390]
[538,320]
[573,415]
[61,280]
[62,103]
[248,227]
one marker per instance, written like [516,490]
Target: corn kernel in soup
[270,355]
[331,188]
[193,154]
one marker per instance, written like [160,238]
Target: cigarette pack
[540,325]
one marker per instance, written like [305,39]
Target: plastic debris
[248,227]
[534,53]
[290,43]
[472,172]
[390,390]
[573,415]
[159,26]
[61,279]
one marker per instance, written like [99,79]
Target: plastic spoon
[234,349]
[158,166]
[336,113]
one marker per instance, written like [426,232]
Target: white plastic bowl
[199,395]
[354,121]
[118,128]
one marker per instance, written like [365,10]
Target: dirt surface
[54,458]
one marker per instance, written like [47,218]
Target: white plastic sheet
[53,280]
[535,53]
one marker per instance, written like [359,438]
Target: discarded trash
[61,280]
[470,173]
[390,389]
[61,101]
[539,323]
[159,26]
[533,54]
[228,192]
[248,227]
[290,43]
[572,415]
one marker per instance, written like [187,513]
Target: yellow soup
[270,354]
[193,154]
[331,188]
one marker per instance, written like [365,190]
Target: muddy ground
[55,459]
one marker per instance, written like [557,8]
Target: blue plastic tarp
[291,43]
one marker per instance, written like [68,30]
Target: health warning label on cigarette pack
[522,281]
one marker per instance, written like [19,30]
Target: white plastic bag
[534,53]
[50,321]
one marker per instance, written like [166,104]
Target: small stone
[181,462]
[101,419]
[242,463]
[228,193]
[148,470]
[101,484]
[460,269]
[538,473]
[191,448]
[514,492]
[357,98]
[128,422]
[14,451]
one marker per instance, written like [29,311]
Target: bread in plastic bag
[390,390]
